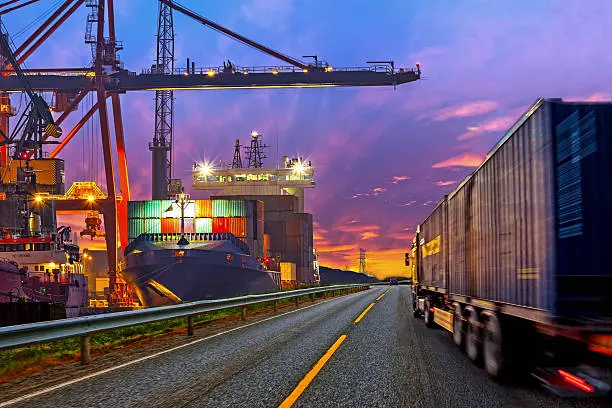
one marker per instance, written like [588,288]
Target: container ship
[187,250]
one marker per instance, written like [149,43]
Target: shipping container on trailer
[432,256]
[523,244]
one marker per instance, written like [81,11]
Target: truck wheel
[493,351]
[458,329]
[428,315]
[415,309]
[472,335]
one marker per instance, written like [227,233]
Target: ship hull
[162,278]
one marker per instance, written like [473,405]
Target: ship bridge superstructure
[295,175]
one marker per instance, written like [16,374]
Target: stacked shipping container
[289,234]
[239,217]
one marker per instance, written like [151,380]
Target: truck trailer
[515,262]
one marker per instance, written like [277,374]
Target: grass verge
[19,362]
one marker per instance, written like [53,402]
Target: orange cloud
[357,228]
[397,179]
[335,248]
[369,235]
[444,183]
[492,125]
[464,110]
[462,160]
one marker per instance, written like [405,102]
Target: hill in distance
[329,276]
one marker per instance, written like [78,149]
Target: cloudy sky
[383,156]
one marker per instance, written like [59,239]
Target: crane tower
[161,147]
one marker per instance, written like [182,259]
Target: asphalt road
[387,359]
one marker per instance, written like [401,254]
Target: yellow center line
[381,296]
[363,313]
[290,400]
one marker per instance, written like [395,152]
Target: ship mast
[182,200]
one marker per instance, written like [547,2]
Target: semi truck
[516,261]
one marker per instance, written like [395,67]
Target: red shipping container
[203,208]
[221,224]
[169,225]
[238,226]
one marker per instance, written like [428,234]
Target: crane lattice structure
[362,260]
[237,162]
[256,152]
[161,147]
[108,79]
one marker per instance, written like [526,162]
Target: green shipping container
[220,208]
[152,208]
[237,208]
[136,226]
[135,209]
[203,225]
[153,226]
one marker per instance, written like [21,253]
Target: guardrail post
[190,325]
[297,301]
[312,296]
[324,295]
[85,349]
[243,312]
[276,305]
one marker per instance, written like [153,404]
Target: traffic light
[407,258]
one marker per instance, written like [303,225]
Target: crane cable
[36,20]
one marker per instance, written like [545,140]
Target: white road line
[138,360]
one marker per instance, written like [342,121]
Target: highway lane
[387,359]
[256,366]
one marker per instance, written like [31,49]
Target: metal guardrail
[32,333]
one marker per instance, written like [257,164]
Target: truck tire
[415,309]
[473,337]
[493,347]
[458,326]
[428,314]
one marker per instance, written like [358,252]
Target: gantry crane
[161,147]
[108,79]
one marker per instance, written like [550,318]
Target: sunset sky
[382,156]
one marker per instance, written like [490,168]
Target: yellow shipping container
[288,271]
[48,171]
